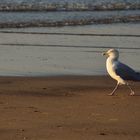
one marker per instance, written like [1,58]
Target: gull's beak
[104,54]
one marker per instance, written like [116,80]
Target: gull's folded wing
[126,73]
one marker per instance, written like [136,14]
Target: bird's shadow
[136,95]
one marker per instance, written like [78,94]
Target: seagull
[119,71]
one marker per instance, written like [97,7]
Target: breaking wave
[51,13]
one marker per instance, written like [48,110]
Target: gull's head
[113,53]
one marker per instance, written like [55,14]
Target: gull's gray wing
[126,73]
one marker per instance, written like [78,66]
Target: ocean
[46,13]
[66,37]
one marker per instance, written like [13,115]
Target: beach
[67,107]
[53,79]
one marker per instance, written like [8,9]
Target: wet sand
[57,51]
[67,107]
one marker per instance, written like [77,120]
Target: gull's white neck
[110,65]
[111,61]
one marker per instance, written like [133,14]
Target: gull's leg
[114,90]
[132,92]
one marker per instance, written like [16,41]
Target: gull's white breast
[111,66]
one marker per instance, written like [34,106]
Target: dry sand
[67,108]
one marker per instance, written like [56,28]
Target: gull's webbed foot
[111,94]
[132,93]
